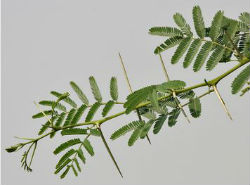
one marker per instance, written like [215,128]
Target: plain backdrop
[47,43]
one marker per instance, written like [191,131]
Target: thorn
[164,68]
[39,108]
[130,88]
[148,139]
[222,102]
[180,106]
[109,151]
[125,73]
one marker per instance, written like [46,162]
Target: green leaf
[245,17]
[74,170]
[231,29]
[66,156]
[135,135]
[113,89]
[170,102]
[241,80]
[138,97]
[181,49]
[60,119]
[92,111]
[81,155]
[107,108]
[154,101]
[202,56]
[198,22]
[173,115]
[62,166]
[50,103]
[171,85]
[95,89]
[187,94]
[181,22]
[58,123]
[165,31]
[77,165]
[74,131]
[192,51]
[69,117]
[44,128]
[215,57]
[159,123]
[66,145]
[65,172]
[146,129]
[79,93]
[87,145]
[78,114]
[195,107]
[95,132]
[216,25]
[169,43]
[66,99]
[41,114]
[126,128]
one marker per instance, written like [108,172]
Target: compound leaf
[66,145]
[79,93]
[195,107]
[95,89]
[126,128]
[240,80]
[113,89]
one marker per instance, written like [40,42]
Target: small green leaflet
[41,114]
[78,114]
[146,128]
[173,115]
[181,49]
[181,22]
[216,25]
[92,111]
[192,51]
[79,93]
[107,108]
[198,22]
[59,106]
[135,135]
[113,89]
[69,117]
[74,131]
[87,145]
[126,128]
[65,157]
[165,31]
[159,123]
[66,99]
[66,145]
[195,107]
[241,80]
[169,43]
[95,89]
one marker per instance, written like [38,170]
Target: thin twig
[222,102]
[109,151]
[130,89]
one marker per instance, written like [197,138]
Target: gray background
[47,43]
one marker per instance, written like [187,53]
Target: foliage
[225,40]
